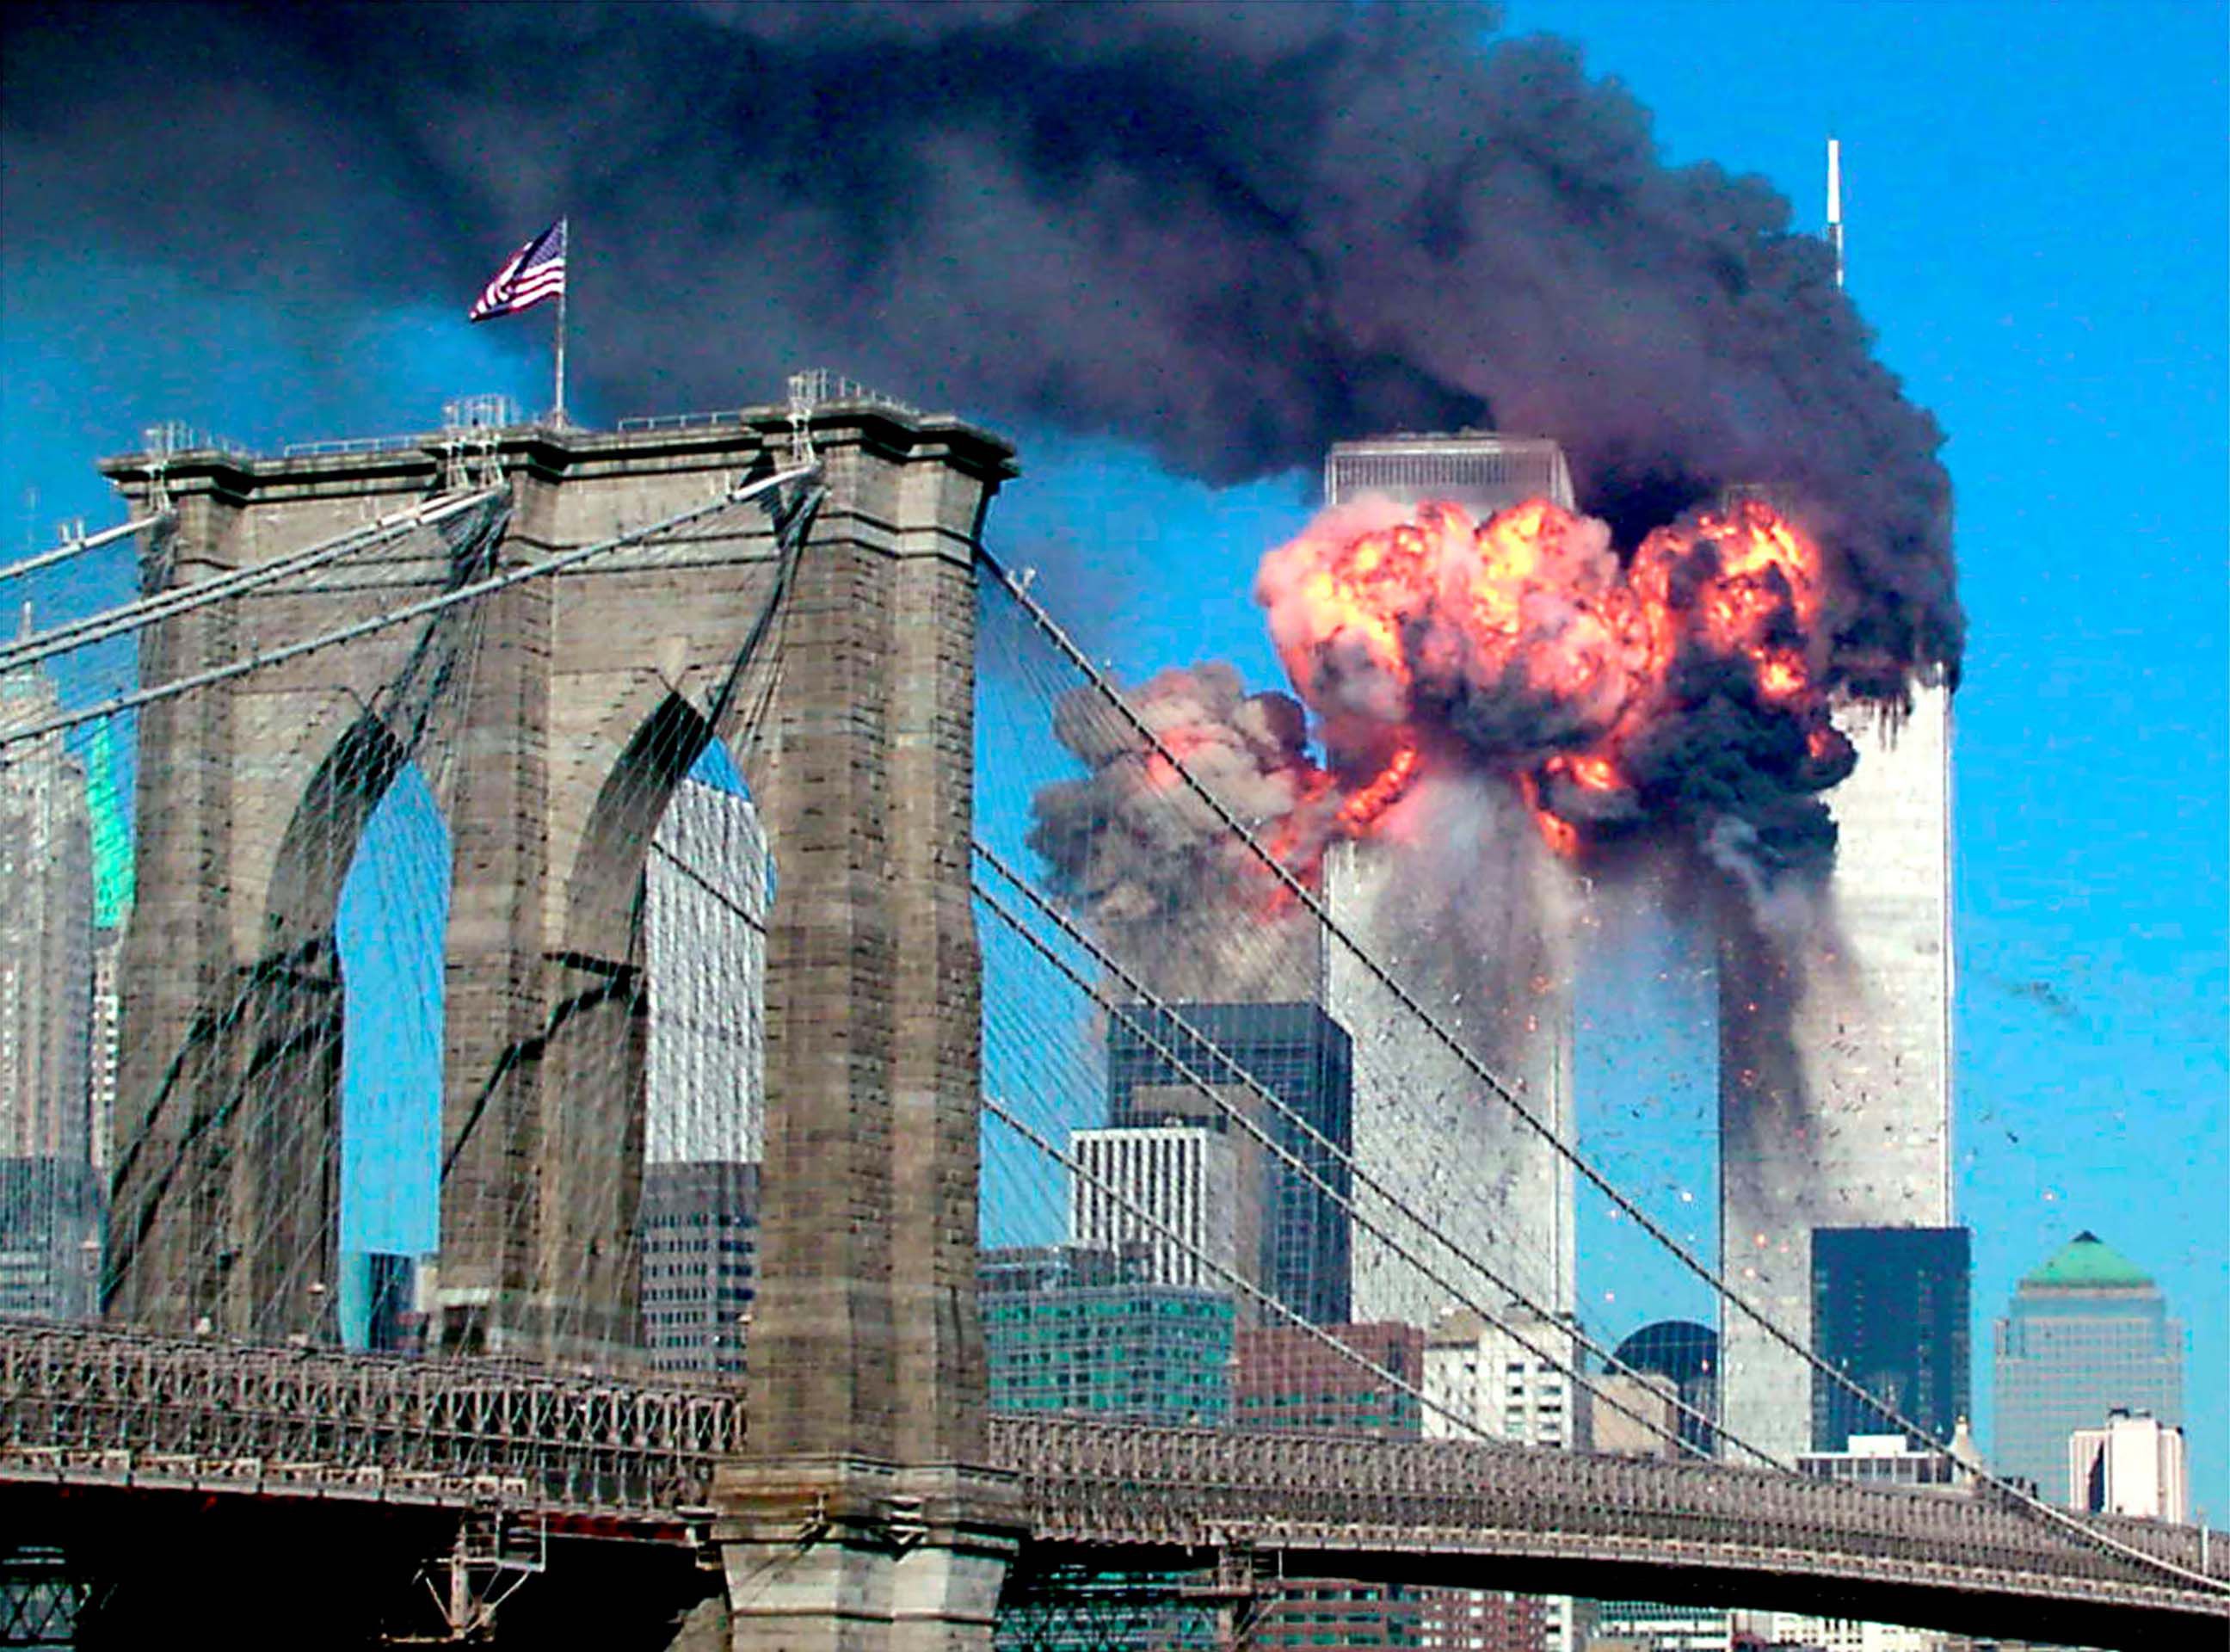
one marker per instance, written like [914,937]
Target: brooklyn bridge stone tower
[862,1515]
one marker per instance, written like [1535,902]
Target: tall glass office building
[1889,1310]
[2086,1333]
[1299,1054]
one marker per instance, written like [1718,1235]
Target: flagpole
[565,232]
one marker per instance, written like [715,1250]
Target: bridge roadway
[90,1410]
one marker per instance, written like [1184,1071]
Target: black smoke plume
[1231,233]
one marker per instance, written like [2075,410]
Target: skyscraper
[1889,1310]
[2086,1334]
[700,1250]
[46,935]
[705,912]
[1424,1128]
[1174,1194]
[1835,1057]
[51,1195]
[1301,1056]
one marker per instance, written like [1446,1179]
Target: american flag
[535,272]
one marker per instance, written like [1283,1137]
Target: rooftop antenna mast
[1835,203]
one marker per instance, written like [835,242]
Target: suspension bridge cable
[1315,905]
[1194,1079]
[1231,1276]
[83,543]
[1262,962]
[380,622]
[1346,1203]
[182,599]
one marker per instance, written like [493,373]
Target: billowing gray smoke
[1168,889]
[1232,234]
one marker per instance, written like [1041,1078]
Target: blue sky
[2037,209]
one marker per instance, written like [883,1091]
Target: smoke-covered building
[1835,1057]
[1299,1055]
[1490,958]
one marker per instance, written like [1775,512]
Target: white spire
[1835,203]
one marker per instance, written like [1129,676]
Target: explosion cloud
[1686,686]
[1231,233]
[1137,847]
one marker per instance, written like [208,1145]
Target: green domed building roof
[2088,1262]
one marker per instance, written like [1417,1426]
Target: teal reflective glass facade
[1889,1311]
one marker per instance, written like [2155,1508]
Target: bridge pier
[864,1516]
[865,1513]
[850,1556]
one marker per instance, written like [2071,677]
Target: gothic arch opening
[707,889]
[653,1058]
[392,917]
[273,1210]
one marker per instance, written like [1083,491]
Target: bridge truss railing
[86,1407]
[85,1403]
[1101,1483]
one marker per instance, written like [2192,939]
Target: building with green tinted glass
[1082,1328]
[1073,1328]
[2085,1334]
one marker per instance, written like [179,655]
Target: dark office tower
[1299,1054]
[1889,1310]
[699,1247]
[1689,1354]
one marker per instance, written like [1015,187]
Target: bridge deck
[81,1407]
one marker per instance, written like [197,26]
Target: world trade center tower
[1835,1059]
[1426,1131]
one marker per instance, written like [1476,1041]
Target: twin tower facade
[1834,1038]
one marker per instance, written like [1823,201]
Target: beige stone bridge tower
[567,709]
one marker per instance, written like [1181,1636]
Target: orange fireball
[1527,635]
